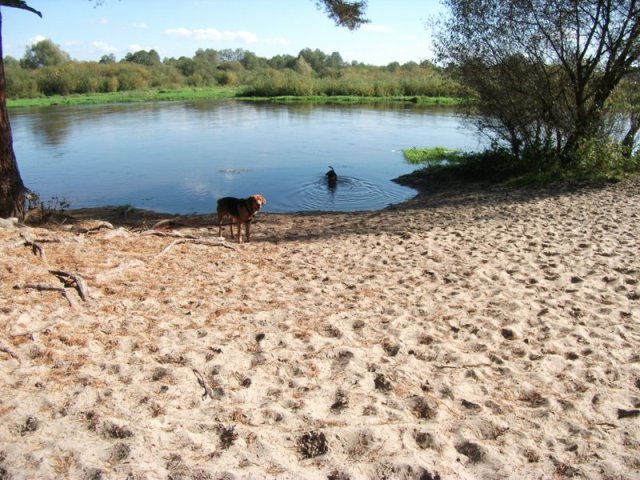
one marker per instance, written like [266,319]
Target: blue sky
[397,31]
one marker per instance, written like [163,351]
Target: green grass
[183,94]
[353,99]
[213,93]
[432,156]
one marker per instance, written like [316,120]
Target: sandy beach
[474,332]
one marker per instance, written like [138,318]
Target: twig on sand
[8,351]
[171,233]
[208,392]
[72,280]
[35,246]
[45,288]
[477,365]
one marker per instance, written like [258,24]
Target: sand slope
[471,333]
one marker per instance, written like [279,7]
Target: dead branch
[477,365]
[94,228]
[7,350]
[164,223]
[36,248]
[208,392]
[45,288]
[72,280]
[158,233]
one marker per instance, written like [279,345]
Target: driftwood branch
[72,280]
[208,392]
[94,228]
[45,288]
[36,248]
[476,365]
[8,351]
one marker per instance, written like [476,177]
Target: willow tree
[349,14]
[544,70]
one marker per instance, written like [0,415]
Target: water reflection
[181,157]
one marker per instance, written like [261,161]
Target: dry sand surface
[472,333]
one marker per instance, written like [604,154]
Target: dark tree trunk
[12,190]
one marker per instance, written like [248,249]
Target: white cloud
[104,47]
[103,20]
[178,32]
[36,39]
[216,35]
[371,27]
[140,25]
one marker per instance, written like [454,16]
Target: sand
[475,332]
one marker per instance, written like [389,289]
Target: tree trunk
[12,190]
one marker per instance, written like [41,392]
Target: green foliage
[183,94]
[432,156]
[311,73]
[44,54]
[593,160]
[604,158]
[543,72]
[142,57]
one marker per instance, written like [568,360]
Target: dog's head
[257,201]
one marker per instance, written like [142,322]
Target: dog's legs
[219,225]
[248,225]
[231,226]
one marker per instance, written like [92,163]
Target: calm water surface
[181,157]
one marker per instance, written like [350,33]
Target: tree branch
[22,5]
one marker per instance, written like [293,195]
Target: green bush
[605,158]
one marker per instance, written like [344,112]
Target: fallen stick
[208,392]
[45,288]
[72,280]
[7,350]
[36,248]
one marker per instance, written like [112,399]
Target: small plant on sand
[38,209]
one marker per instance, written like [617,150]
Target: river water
[180,157]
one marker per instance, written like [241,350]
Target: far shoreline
[219,93]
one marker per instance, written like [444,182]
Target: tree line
[45,69]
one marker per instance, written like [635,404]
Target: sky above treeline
[398,29]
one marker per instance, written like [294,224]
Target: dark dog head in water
[332,177]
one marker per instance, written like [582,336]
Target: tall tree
[345,13]
[45,53]
[12,190]
[544,69]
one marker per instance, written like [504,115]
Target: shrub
[604,158]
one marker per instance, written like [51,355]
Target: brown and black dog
[240,210]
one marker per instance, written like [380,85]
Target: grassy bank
[213,93]
[353,99]
[184,94]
